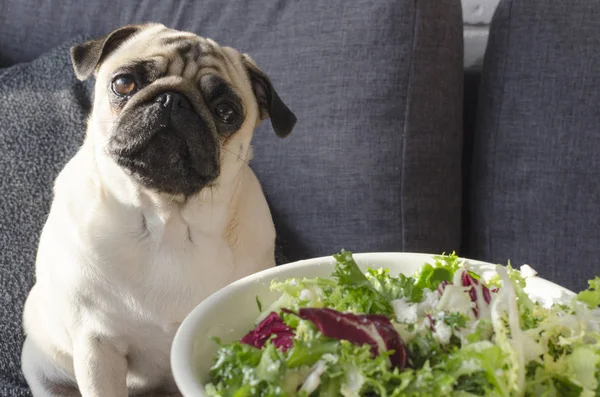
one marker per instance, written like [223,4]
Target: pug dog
[157,210]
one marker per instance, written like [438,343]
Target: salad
[444,331]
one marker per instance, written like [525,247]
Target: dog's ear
[87,56]
[269,103]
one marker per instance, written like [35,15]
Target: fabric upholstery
[42,108]
[373,165]
[536,167]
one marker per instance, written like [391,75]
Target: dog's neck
[119,185]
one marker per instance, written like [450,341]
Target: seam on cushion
[500,106]
[405,131]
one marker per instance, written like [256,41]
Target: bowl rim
[182,346]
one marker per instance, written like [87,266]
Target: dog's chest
[154,272]
[158,269]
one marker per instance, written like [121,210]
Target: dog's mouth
[166,146]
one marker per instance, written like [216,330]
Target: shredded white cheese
[442,333]
[527,271]
[307,295]
[405,311]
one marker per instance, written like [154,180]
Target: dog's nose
[174,100]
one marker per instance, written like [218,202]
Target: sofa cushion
[373,165]
[535,187]
[42,108]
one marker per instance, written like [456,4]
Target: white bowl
[230,313]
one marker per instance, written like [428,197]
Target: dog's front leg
[100,368]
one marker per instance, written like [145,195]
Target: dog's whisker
[211,204]
[246,162]
[219,194]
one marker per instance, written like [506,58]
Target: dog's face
[173,109]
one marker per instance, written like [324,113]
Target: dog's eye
[123,85]
[226,112]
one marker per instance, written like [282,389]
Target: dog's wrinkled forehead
[158,52]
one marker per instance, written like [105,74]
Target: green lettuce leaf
[397,287]
[227,375]
[357,287]
[271,366]
[526,307]
[591,296]
[308,353]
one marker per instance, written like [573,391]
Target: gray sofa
[382,159]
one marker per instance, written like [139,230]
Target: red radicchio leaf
[272,325]
[486,295]
[369,329]
[468,281]
[431,323]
